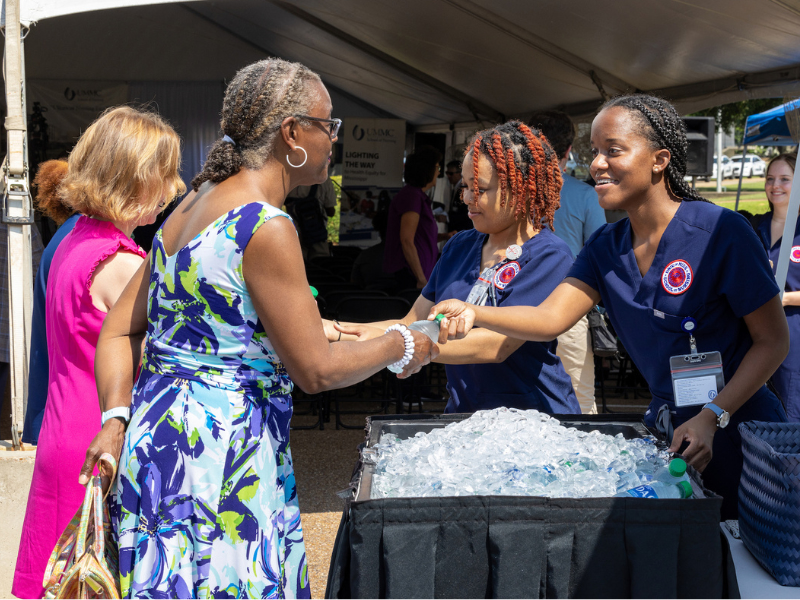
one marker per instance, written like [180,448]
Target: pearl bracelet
[408,354]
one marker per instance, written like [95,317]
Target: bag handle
[111,465]
[93,508]
[83,526]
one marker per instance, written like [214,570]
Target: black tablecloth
[516,547]
[530,547]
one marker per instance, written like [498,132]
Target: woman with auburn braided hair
[206,502]
[512,257]
[687,286]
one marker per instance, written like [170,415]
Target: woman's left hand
[108,440]
[699,433]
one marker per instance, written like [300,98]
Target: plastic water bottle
[675,472]
[659,489]
[429,328]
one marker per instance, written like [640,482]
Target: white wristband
[408,343]
[124,412]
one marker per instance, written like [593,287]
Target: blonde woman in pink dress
[122,173]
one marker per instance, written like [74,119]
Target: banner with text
[373,152]
[70,106]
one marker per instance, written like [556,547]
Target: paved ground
[324,461]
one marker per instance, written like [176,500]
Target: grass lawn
[753,198]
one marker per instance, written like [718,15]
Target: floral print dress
[205,504]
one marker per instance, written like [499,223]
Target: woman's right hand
[109,439]
[459,318]
[425,350]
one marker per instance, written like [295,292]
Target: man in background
[578,217]
[310,206]
[458,215]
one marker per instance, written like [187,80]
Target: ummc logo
[71,94]
[372,132]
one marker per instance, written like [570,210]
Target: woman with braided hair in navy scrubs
[678,271]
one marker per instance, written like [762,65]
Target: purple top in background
[411,199]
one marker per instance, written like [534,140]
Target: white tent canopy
[442,61]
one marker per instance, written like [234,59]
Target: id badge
[696,378]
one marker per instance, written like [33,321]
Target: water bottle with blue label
[659,489]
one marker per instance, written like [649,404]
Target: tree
[735,114]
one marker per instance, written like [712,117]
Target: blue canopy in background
[769,128]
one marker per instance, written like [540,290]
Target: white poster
[373,152]
[70,106]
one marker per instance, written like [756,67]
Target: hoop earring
[304,159]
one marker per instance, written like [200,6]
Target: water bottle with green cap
[673,473]
[429,328]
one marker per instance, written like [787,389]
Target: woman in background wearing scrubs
[511,188]
[677,267]
[780,173]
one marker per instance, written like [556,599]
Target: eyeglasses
[333,127]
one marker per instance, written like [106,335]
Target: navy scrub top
[787,378]
[533,376]
[709,265]
[793,274]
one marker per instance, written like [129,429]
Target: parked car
[575,167]
[727,167]
[753,166]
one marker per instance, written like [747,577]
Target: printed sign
[373,152]
[70,106]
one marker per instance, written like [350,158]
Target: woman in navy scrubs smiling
[678,271]
[512,257]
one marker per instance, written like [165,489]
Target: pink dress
[72,413]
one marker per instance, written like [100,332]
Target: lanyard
[697,378]
[484,289]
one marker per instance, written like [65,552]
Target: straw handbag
[85,561]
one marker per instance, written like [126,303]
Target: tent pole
[741,174]
[719,151]
[788,235]
[17,213]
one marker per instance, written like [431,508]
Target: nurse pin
[513,252]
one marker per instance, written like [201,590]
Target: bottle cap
[438,319]
[685,488]
[314,291]
[677,467]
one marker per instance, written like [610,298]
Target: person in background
[48,201]
[458,213]
[206,501]
[368,266]
[778,185]
[511,257]
[679,274]
[310,206]
[411,233]
[121,174]
[578,217]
